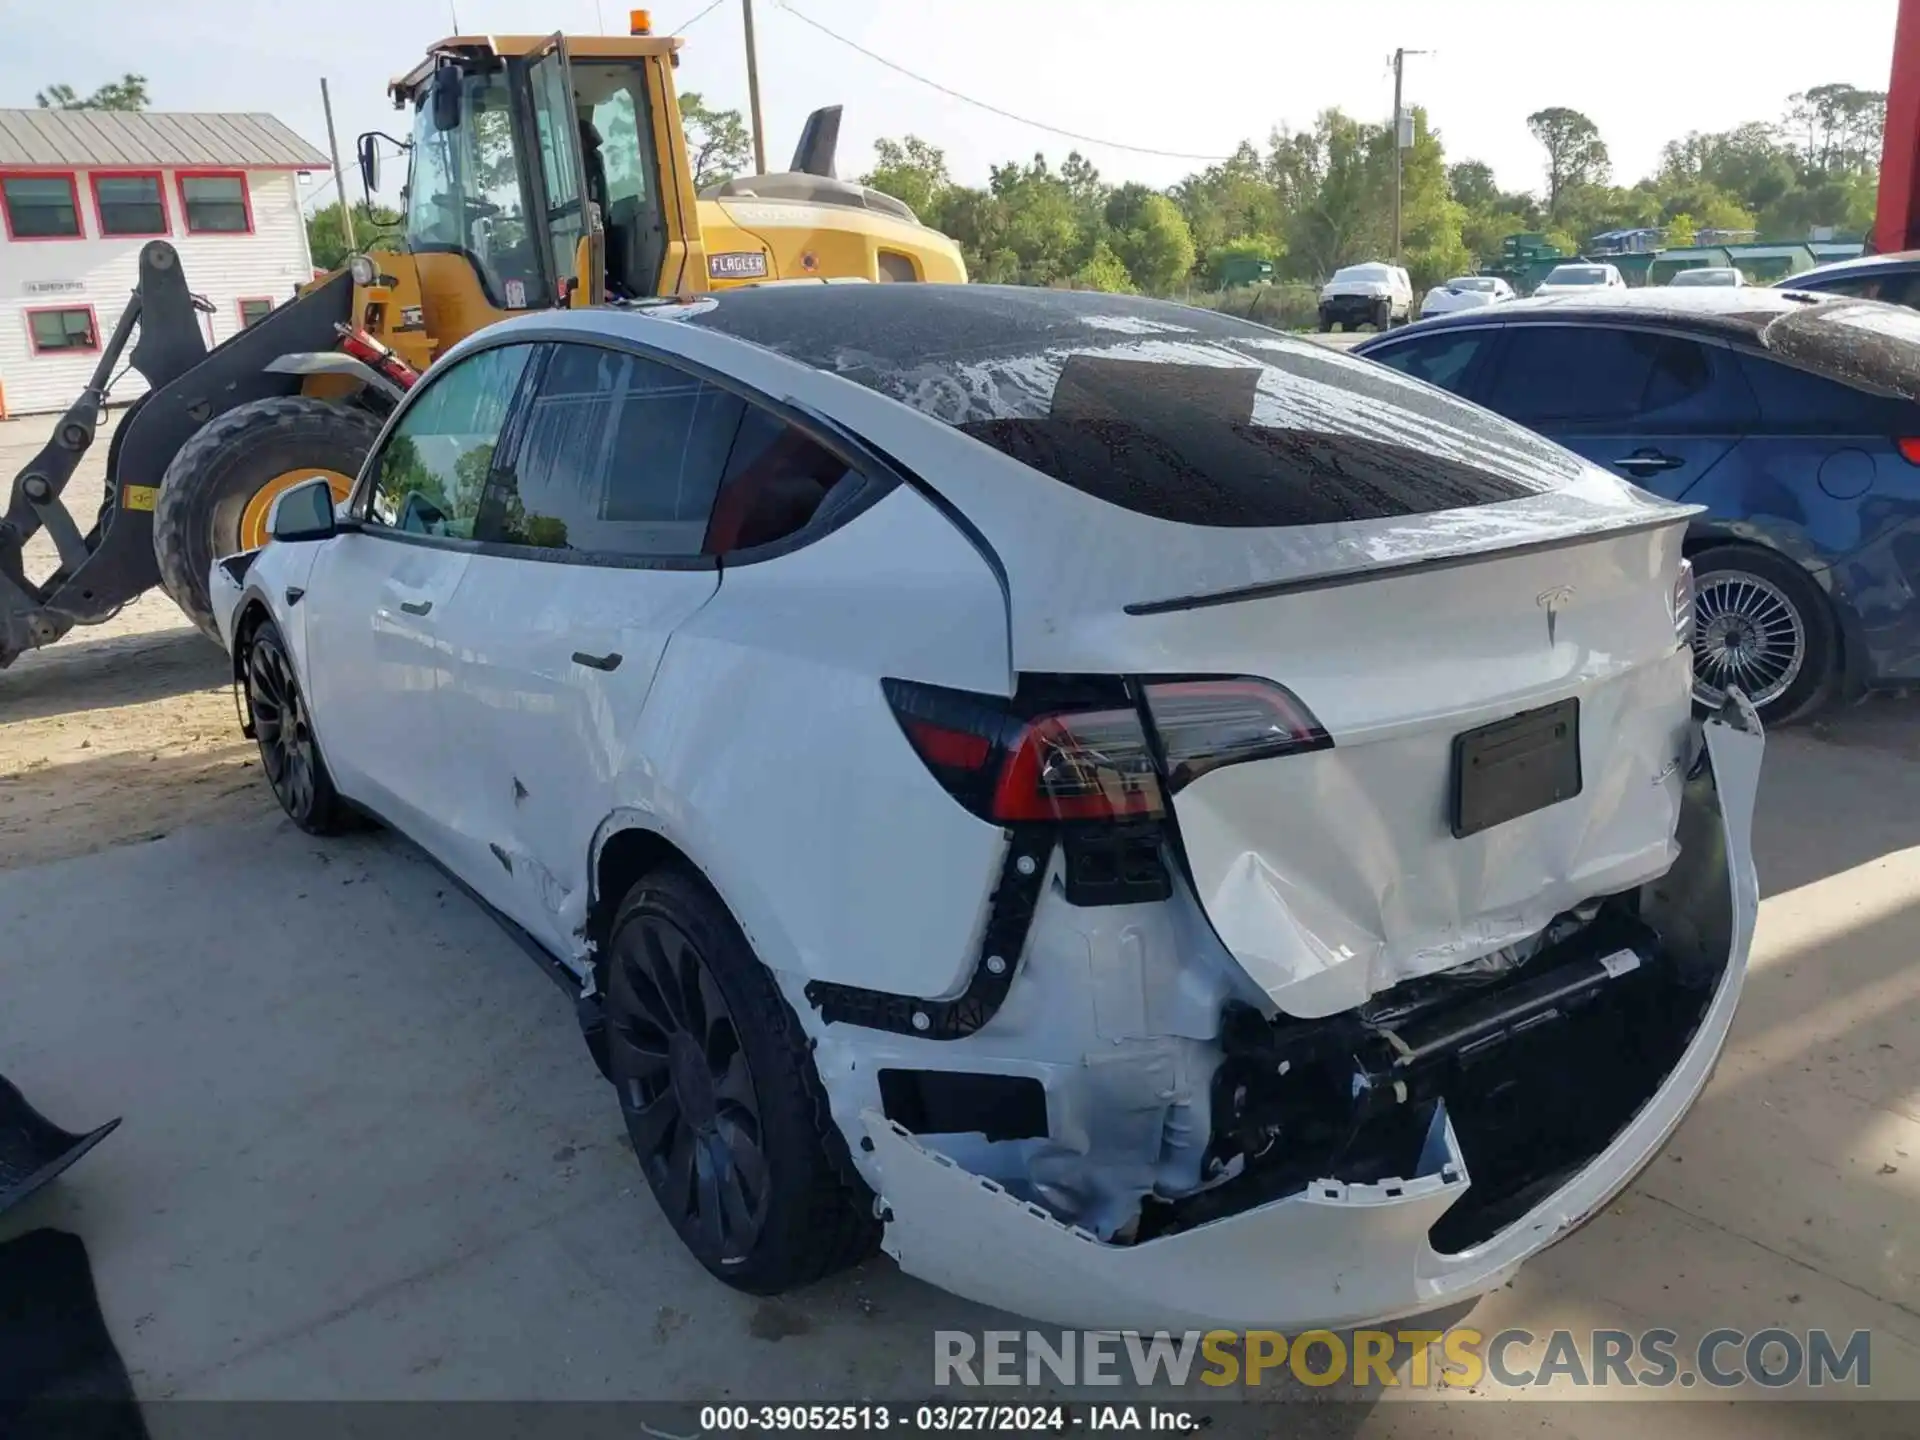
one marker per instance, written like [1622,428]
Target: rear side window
[1794,402]
[776,479]
[618,456]
[1562,376]
[1445,359]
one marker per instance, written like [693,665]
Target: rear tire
[196,519]
[716,1082]
[1762,623]
[283,728]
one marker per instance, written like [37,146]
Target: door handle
[1649,461]
[608,661]
[420,608]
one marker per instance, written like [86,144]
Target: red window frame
[240,306]
[93,320]
[159,178]
[73,188]
[180,178]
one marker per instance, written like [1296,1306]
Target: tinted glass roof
[1168,410]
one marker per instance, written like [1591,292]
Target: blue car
[1790,417]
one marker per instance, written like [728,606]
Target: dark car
[1893,278]
[1790,417]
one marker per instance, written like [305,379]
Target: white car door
[590,555]
[375,603]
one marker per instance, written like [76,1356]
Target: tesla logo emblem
[1553,602]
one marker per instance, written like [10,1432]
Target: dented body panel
[1334,1254]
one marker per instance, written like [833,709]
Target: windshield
[1470,282]
[1707,277]
[464,194]
[1578,275]
[1361,272]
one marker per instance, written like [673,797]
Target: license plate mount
[1514,767]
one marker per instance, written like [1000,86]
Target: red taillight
[1910,450]
[1095,761]
[1085,765]
[949,749]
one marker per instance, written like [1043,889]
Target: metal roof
[102,138]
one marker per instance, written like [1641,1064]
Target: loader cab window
[622,172]
[465,195]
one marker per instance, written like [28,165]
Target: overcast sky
[1194,76]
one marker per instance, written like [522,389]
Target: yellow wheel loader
[543,171]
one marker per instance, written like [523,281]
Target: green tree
[1680,230]
[1748,162]
[1103,270]
[1431,218]
[1234,198]
[1473,185]
[913,172]
[1157,247]
[718,145]
[1576,155]
[1340,178]
[129,92]
[1040,221]
[374,227]
[1837,128]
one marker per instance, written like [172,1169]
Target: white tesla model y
[1152,822]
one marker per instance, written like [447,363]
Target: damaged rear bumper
[1332,1253]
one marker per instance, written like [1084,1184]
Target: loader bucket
[33,1149]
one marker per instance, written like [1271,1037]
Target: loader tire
[225,464]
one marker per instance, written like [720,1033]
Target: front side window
[56,330]
[431,475]
[464,195]
[619,456]
[41,207]
[130,205]
[215,204]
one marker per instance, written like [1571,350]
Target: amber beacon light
[639,22]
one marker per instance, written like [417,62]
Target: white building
[82,190]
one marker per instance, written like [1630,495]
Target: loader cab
[536,166]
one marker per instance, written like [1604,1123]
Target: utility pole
[753,92]
[1399,63]
[339,180]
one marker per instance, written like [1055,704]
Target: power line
[686,25]
[982,104]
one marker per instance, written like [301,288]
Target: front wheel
[283,729]
[1762,624]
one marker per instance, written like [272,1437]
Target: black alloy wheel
[687,1092]
[721,1097]
[283,729]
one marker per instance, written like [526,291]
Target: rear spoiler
[1362,574]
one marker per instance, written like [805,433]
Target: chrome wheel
[1746,632]
[280,725]
[685,1090]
